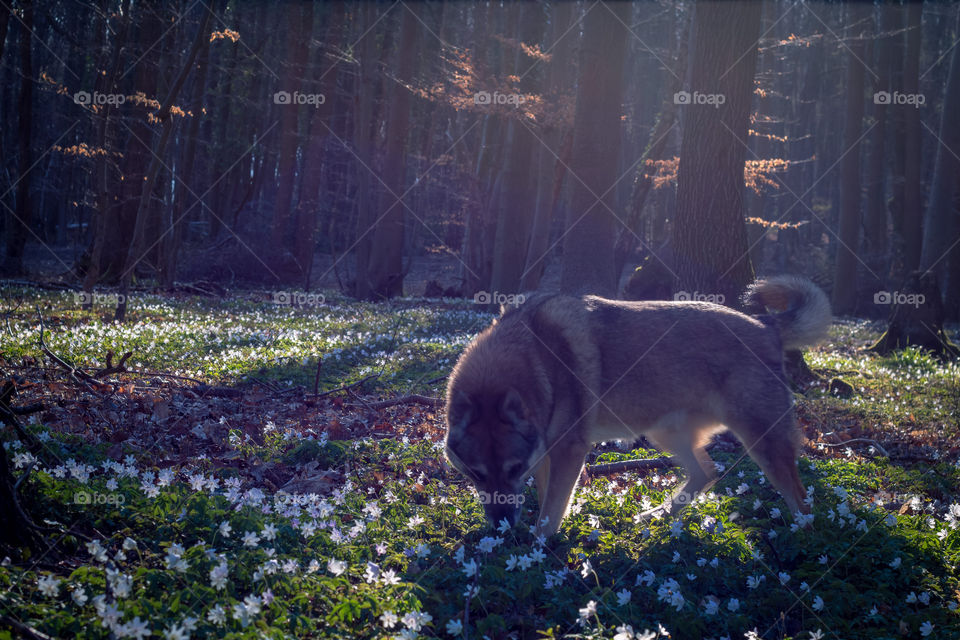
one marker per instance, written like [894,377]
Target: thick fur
[536,390]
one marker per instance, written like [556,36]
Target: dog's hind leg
[686,444]
[773,445]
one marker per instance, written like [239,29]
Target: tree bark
[589,241]
[386,258]
[710,236]
[845,270]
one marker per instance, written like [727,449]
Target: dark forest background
[642,150]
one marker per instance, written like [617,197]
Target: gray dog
[548,380]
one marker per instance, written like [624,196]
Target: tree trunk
[589,240]
[710,236]
[912,197]
[164,116]
[940,225]
[19,224]
[516,202]
[170,245]
[916,318]
[299,21]
[845,271]
[386,255]
[549,170]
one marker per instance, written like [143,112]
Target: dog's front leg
[566,463]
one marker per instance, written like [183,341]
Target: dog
[552,377]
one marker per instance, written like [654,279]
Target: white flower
[388,619]
[733,605]
[269,532]
[176,632]
[911,598]
[711,608]
[817,604]
[924,598]
[524,562]
[216,615]
[218,576]
[623,597]
[926,629]
[470,568]
[372,572]
[250,539]
[784,577]
[589,610]
[647,578]
[79,596]
[336,567]
[224,529]
[511,562]
[129,544]
[48,586]
[586,569]
[454,627]
[136,629]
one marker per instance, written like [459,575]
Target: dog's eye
[514,469]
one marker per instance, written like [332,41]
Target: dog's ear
[512,409]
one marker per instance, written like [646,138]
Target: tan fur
[535,391]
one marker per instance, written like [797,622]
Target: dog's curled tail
[798,308]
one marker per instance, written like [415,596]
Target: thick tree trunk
[845,271]
[710,236]
[916,318]
[386,257]
[589,240]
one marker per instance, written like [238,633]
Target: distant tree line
[642,149]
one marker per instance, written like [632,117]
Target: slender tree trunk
[299,20]
[845,272]
[912,197]
[589,241]
[709,235]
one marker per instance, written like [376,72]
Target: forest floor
[239,480]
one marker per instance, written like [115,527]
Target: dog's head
[492,440]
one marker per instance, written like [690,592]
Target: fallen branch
[217,392]
[24,630]
[111,369]
[409,399]
[347,387]
[79,376]
[867,440]
[630,465]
